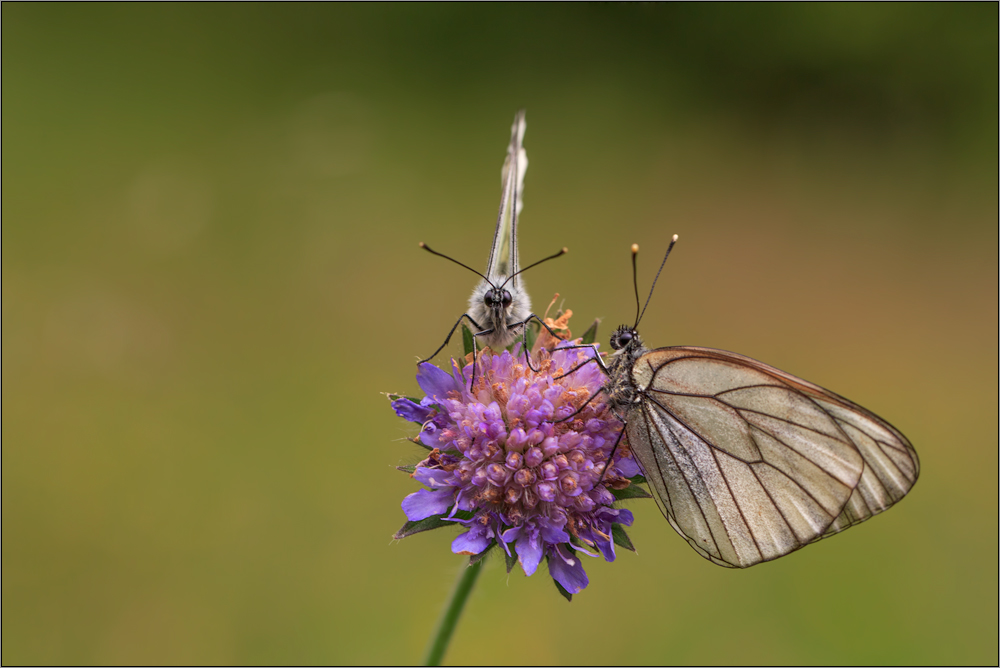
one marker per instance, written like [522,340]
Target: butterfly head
[625,338]
[497,299]
[497,307]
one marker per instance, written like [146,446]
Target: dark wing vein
[736,502]
[777,507]
[847,439]
[782,384]
[883,479]
[768,492]
[680,470]
[739,409]
[791,382]
[712,449]
[774,436]
[794,481]
[684,472]
[888,460]
[691,429]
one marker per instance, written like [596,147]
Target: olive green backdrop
[210,272]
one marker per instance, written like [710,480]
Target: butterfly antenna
[533,264]
[635,284]
[665,256]
[434,252]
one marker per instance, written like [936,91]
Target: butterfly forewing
[503,254]
[501,324]
[749,463]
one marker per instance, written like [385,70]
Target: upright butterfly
[747,462]
[499,307]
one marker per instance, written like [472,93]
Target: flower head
[509,467]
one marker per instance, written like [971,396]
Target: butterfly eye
[507,299]
[620,339]
[488,297]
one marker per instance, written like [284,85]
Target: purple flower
[506,468]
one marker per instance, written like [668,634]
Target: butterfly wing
[503,255]
[749,463]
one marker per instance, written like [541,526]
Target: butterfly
[499,307]
[749,463]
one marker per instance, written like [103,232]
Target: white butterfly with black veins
[499,307]
[746,462]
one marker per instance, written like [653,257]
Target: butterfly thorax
[620,388]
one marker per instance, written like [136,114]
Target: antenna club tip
[635,248]
[675,237]
[422,244]
[564,250]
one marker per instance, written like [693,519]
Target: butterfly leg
[542,323]
[523,325]
[597,355]
[524,347]
[448,338]
[595,358]
[475,353]
[611,455]
[577,411]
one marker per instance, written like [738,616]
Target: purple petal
[607,549]
[627,467]
[601,496]
[464,501]
[470,542]
[529,553]
[568,571]
[492,412]
[435,382]
[461,374]
[511,535]
[554,535]
[434,477]
[580,549]
[625,517]
[430,436]
[410,411]
[424,503]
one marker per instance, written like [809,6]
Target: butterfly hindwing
[749,463]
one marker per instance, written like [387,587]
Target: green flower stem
[449,617]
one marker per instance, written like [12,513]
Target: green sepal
[510,559]
[591,334]
[638,480]
[428,523]
[410,468]
[621,538]
[416,441]
[468,340]
[633,491]
[476,558]
[393,397]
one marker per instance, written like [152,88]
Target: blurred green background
[210,272]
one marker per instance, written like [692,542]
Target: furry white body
[506,322]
